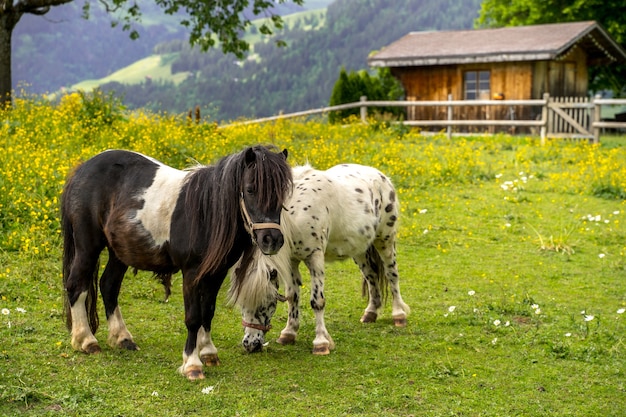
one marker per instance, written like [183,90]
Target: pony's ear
[285,153]
[250,156]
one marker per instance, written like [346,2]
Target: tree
[350,87]
[608,13]
[210,22]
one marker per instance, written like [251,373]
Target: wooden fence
[555,117]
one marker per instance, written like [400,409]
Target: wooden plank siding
[436,83]
[511,80]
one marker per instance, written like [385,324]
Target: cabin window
[477,85]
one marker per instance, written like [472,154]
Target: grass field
[512,258]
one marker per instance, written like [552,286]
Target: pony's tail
[376,264]
[69,250]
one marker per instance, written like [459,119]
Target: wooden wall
[566,76]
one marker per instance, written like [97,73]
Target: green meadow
[512,257]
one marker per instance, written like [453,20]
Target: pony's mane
[249,281]
[212,199]
[301,170]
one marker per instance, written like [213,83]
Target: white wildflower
[6,311]
[208,390]
[451,309]
[601,255]
[496,322]
[588,317]
[20,310]
[471,292]
[621,311]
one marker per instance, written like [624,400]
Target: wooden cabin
[513,63]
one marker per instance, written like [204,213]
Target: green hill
[158,67]
[62,48]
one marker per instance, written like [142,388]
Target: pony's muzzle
[269,240]
[253,346]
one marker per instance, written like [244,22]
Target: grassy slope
[159,67]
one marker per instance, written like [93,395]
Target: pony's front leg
[323,343]
[208,351]
[200,302]
[192,364]
[209,288]
[292,294]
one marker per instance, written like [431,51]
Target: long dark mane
[212,199]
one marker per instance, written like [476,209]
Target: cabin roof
[518,43]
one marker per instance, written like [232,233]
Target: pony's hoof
[92,348]
[210,359]
[194,373]
[369,317]
[399,321]
[128,345]
[286,339]
[321,349]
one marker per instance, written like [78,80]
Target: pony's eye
[250,190]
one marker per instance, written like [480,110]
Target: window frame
[474,83]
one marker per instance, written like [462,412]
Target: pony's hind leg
[400,309]
[80,289]
[110,284]
[369,267]
[292,294]
[323,343]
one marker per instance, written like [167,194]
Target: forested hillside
[298,77]
[61,48]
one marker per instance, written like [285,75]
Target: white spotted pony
[348,211]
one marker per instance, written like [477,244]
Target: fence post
[596,117]
[544,118]
[363,109]
[449,128]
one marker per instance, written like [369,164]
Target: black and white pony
[348,211]
[150,216]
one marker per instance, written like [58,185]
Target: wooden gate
[570,117]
